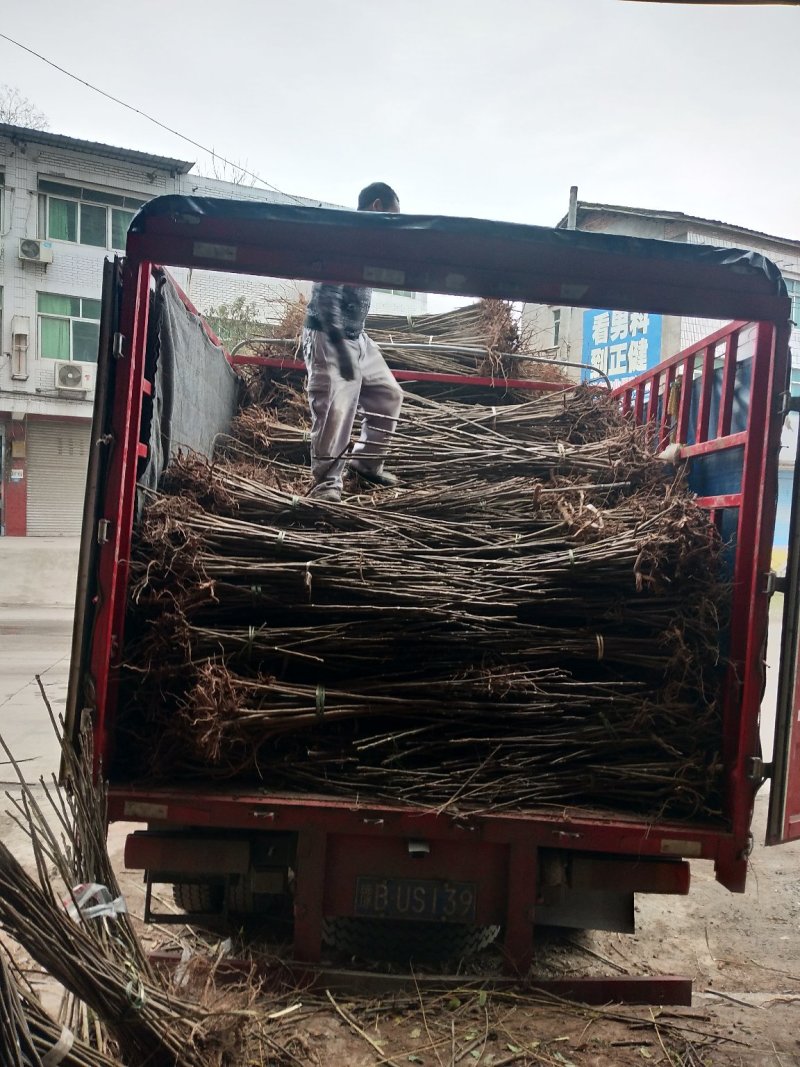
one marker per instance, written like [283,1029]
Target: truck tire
[240,898]
[198,898]
[243,901]
[397,941]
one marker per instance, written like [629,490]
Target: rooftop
[678,216]
[21,135]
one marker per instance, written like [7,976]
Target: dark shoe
[326,493]
[382,478]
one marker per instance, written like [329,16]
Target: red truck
[723,400]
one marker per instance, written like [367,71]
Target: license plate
[415,898]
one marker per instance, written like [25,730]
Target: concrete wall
[677,332]
[632,226]
[209,289]
[538,324]
[538,328]
[76,269]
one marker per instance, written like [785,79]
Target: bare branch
[18,110]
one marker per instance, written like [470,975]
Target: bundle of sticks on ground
[532,618]
[72,924]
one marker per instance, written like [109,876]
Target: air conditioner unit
[34,251]
[75,377]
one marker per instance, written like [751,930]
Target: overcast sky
[468,107]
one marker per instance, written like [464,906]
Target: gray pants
[335,402]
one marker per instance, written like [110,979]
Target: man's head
[378,197]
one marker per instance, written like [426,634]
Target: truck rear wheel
[199,898]
[400,941]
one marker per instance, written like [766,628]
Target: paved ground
[37,594]
[32,641]
[38,571]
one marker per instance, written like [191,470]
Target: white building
[65,205]
[564,332]
[588,335]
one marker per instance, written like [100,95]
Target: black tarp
[196,392]
[466,256]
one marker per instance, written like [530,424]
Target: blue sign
[622,344]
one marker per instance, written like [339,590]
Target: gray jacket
[338,310]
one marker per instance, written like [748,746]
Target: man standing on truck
[348,374]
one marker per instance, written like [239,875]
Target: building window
[85,216]
[2,196]
[794,293]
[397,292]
[794,386]
[556,326]
[69,327]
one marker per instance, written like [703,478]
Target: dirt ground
[740,950]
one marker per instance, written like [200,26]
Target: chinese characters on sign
[622,344]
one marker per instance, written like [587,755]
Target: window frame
[793,289]
[556,326]
[71,319]
[405,293]
[83,196]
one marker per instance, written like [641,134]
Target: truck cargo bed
[719,400]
